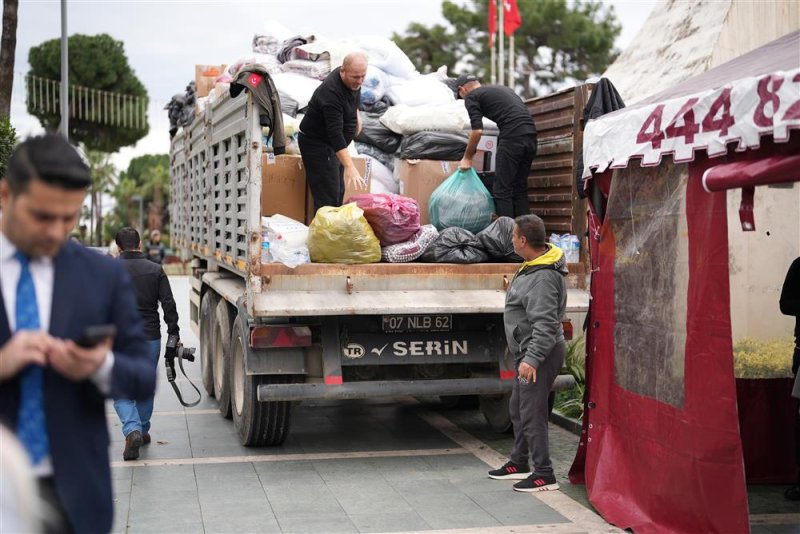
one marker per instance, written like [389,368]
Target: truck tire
[257,423]
[222,357]
[495,409]
[207,306]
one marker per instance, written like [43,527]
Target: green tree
[96,62]
[8,139]
[558,41]
[103,179]
[146,176]
[429,48]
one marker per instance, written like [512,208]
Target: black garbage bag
[180,109]
[442,146]
[495,239]
[369,150]
[374,133]
[455,245]
[378,107]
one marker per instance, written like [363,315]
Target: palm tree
[104,176]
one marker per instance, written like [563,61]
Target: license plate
[417,323]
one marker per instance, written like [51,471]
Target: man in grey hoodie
[535,305]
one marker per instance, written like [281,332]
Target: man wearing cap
[329,125]
[516,145]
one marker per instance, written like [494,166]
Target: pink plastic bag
[393,218]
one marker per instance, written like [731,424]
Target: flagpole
[494,59]
[511,61]
[501,58]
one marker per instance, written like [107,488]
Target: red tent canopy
[660,450]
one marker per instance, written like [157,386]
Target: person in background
[535,304]
[330,124]
[516,144]
[155,249]
[152,286]
[53,390]
[790,305]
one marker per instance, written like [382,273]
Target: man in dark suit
[52,391]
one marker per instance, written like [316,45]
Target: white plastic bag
[419,90]
[288,240]
[406,120]
[297,86]
[386,55]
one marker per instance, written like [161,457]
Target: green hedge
[758,358]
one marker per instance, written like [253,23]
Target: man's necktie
[31,429]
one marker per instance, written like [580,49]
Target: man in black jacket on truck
[151,285]
[329,125]
[516,144]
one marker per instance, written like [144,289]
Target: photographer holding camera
[152,286]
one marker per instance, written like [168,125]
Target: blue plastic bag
[463,201]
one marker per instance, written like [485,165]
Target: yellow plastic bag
[342,235]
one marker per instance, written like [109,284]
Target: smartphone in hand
[94,335]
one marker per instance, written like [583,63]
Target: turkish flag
[511,18]
[492,21]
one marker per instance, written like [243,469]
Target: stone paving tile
[452,503]
[360,503]
[445,519]
[121,506]
[303,501]
[284,479]
[164,476]
[328,523]
[424,487]
[389,522]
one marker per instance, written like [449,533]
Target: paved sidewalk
[355,466]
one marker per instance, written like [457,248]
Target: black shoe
[793,493]
[132,443]
[536,483]
[510,471]
[146,439]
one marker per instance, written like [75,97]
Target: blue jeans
[136,415]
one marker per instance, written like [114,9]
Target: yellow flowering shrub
[763,358]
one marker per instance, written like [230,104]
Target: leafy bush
[570,402]
[763,358]
[8,139]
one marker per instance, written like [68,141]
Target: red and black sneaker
[510,471]
[536,483]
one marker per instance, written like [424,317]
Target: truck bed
[381,288]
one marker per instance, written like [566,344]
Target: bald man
[330,124]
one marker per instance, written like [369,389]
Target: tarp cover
[661,449]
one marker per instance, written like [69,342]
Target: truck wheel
[257,423]
[207,305]
[222,352]
[495,409]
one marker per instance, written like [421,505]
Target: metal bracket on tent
[746,215]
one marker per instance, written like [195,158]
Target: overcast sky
[164,39]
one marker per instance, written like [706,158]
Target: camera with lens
[176,350]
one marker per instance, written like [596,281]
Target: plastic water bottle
[555,239]
[572,248]
[266,257]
